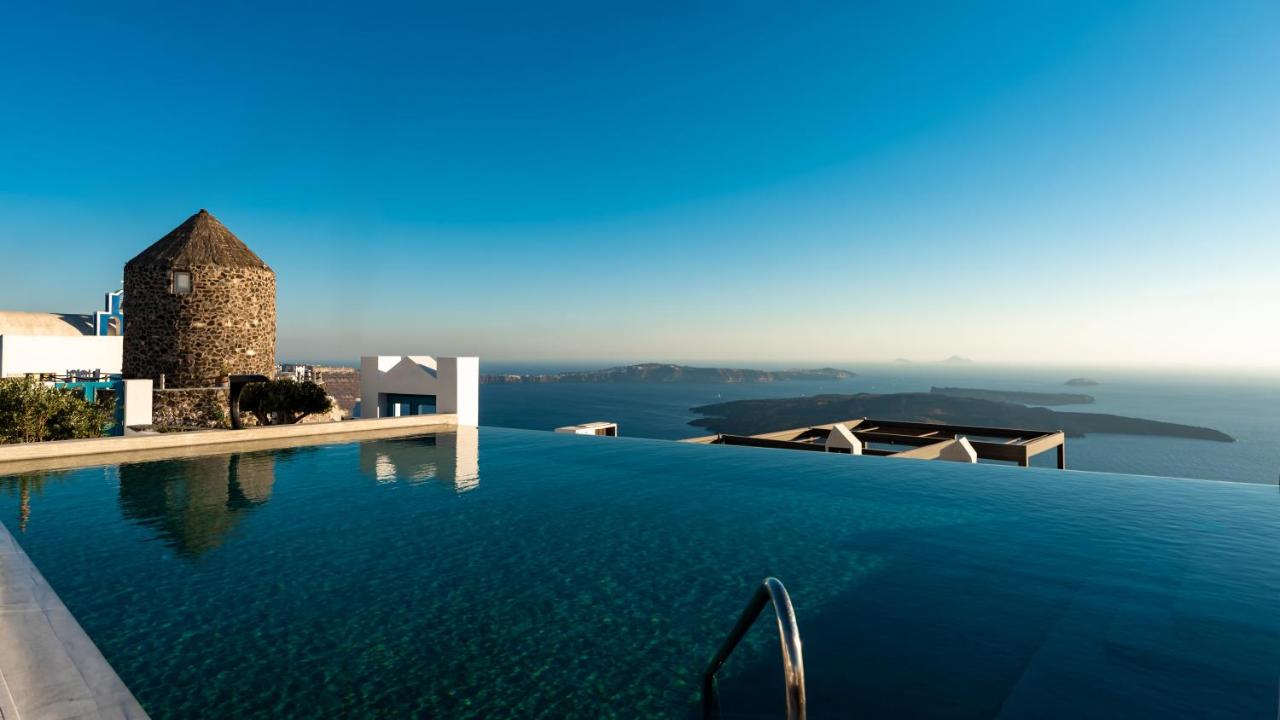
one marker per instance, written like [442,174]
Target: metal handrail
[772,592]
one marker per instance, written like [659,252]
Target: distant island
[1016,396]
[956,360]
[668,373]
[1082,382]
[747,417]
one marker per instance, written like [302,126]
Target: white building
[599,427]
[50,343]
[297,372]
[395,385]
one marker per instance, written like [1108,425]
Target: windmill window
[181,282]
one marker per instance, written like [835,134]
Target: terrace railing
[770,592]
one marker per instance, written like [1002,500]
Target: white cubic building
[397,385]
[54,344]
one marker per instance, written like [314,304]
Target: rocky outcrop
[342,384]
[747,417]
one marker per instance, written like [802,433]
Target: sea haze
[1247,410]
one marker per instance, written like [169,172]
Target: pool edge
[64,454]
[49,667]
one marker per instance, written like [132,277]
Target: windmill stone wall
[225,325]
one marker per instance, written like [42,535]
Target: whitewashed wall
[22,354]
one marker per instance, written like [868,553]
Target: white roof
[35,323]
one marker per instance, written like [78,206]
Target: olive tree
[284,402]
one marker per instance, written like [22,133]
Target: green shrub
[284,402]
[32,412]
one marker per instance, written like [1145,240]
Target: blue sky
[1076,182]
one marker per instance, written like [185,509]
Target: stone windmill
[198,305]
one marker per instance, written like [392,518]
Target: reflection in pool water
[193,503]
[417,460]
[24,487]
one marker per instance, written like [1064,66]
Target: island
[669,373]
[956,360]
[749,417]
[1082,382]
[1016,396]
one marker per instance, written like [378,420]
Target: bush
[30,411]
[284,402]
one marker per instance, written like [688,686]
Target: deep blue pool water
[525,574]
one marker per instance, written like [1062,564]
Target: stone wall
[208,409]
[190,408]
[226,325]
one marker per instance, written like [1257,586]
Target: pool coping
[72,453]
[49,668]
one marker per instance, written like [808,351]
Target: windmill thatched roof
[201,240]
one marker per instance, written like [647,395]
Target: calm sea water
[508,573]
[1248,410]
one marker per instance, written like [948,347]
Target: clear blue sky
[1022,182]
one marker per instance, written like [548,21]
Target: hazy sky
[1091,182]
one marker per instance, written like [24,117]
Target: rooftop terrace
[925,441]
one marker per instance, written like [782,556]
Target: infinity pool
[522,574]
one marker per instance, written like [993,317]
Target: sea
[1247,408]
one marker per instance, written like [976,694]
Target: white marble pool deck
[49,668]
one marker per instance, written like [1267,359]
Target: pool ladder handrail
[769,592]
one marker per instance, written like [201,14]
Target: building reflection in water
[447,457]
[194,503]
[23,486]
